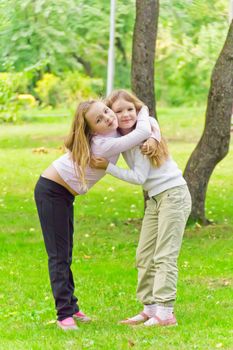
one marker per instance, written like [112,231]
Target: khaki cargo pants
[159,245]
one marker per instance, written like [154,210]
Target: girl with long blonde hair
[94,130]
[165,217]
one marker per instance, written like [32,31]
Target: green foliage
[68,38]
[81,87]
[191,35]
[74,87]
[8,102]
[26,101]
[14,96]
[60,36]
[49,90]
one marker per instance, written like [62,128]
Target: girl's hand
[149,147]
[99,163]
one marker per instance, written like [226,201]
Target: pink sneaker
[67,324]
[80,316]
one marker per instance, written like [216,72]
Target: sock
[162,312]
[150,310]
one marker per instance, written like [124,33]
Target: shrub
[72,88]
[8,102]
[50,90]
[80,87]
[26,101]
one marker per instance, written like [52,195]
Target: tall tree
[214,143]
[143,54]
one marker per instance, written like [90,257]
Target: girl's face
[101,119]
[126,113]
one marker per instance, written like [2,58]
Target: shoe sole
[161,325]
[131,323]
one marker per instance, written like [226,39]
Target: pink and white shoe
[80,316]
[156,321]
[67,324]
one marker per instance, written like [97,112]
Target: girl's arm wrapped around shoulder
[110,146]
[137,175]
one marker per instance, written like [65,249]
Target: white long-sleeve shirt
[154,180]
[109,146]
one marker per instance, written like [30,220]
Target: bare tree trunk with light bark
[214,143]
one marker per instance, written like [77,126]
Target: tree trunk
[143,54]
[214,143]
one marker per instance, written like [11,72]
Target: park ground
[107,225]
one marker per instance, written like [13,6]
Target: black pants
[55,208]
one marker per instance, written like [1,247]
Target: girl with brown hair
[165,217]
[94,130]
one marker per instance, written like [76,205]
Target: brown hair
[78,141]
[160,154]
[127,96]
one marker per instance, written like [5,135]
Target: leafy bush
[8,102]
[74,87]
[26,101]
[50,91]
[80,87]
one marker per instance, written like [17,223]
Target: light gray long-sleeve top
[154,180]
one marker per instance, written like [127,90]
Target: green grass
[107,224]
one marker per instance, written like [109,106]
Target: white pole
[110,77]
[230,11]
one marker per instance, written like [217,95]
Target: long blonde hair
[161,153]
[78,141]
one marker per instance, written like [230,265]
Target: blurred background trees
[56,51]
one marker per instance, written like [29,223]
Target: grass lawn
[107,225]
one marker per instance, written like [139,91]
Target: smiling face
[101,119]
[126,114]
